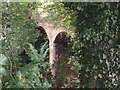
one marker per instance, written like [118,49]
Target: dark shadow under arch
[60,37]
[41,38]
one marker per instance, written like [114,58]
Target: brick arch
[51,31]
[57,40]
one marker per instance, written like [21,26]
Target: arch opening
[60,37]
[41,39]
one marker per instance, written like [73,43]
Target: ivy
[93,48]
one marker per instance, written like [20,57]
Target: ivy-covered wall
[94,46]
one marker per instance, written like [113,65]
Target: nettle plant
[29,75]
[20,35]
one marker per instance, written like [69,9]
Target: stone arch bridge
[57,43]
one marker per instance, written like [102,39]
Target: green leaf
[2,71]
[3,59]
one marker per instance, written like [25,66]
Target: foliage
[24,70]
[97,43]
[2,69]
[29,76]
[93,49]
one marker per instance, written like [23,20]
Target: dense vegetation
[93,49]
